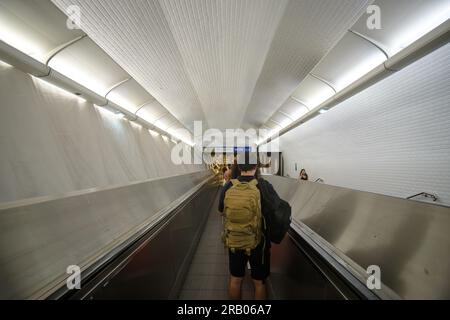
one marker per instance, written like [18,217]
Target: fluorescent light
[191,144]
[72,71]
[5,65]
[15,39]
[109,112]
[312,92]
[180,134]
[158,124]
[136,125]
[428,21]
[122,101]
[286,122]
[300,112]
[54,89]
[269,135]
[361,68]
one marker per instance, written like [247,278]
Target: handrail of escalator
[162,218]
[354,276]
[425,194]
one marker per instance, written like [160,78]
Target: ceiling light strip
[432,41]
[27,64]
[143,105]
[369,40]
[22,61]
[301,102]
[324,81]
[117,85]
[286,115]
[63,47]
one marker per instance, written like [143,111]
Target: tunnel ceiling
[231,63]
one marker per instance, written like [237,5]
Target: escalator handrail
[352,274]
[147,229]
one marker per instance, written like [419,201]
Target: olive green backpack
[243,218]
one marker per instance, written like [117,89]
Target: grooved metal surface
[407,240]
[40,239]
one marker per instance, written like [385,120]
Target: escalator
[140,271]
[176,251]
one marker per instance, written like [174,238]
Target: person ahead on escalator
[247,204]
[303,175]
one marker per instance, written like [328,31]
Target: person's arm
[222,195]
[269,195]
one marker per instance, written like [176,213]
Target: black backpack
[280,222]
[278,217]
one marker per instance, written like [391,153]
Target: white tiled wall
[393,138]
[51,143]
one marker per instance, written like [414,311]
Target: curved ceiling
[229,63]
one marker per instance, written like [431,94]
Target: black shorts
[259,262]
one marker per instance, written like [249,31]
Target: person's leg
[260,289]
[234,289]
[260,264]
[237,262]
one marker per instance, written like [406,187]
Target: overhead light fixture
[110,112]
[57,90]
[191,144]
[136,125]
[122,101]
[5,65]
[70,70]
[360,69]
[64,66]
[428,21]
[160,125]
[15,39]
[285,122]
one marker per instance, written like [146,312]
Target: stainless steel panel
[408,240]
[40,238]
[155,267]
[293,275]
[147,275]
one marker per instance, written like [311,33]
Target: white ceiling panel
[403,22]
[272,125]
[166,122]
[307,31]
[87,64]
[311,92]
[349,60]
[138,37]
[152,111]
[294,109]
[29,27]
[130,95]
[229,60]
[282,119]
[223,45]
